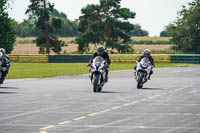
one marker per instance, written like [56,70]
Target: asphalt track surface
[169,103]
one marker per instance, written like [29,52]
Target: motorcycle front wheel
[140,80]
[96,83]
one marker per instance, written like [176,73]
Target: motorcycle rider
[101,52]
[147,54]
[5,64]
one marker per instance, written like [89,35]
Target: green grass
[35,70]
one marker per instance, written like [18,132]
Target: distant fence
[132,58]
[194,58]
[68,58]
[29,58]
[116,58]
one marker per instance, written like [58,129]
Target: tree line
[106,23]
[69,28]
[47,24]
[28,28]
[185,30]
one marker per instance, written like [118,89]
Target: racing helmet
[100,50]
[3,50]
[147,52]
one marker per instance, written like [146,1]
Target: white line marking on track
[104,111]
[43,132]
[114,108]
[64,122]
[93,114]
[47,127]
[79,118]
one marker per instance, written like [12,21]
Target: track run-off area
[168,103]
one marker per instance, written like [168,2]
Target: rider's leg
[3,76]
[151,72]
[106,78]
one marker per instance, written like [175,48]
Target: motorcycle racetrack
[168,103]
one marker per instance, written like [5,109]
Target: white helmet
[3,50]
[147,52]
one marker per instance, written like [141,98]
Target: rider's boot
[149,77]
[106,77]
[1,80]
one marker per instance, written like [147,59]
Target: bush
[150,42]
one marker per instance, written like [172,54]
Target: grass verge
[44,70]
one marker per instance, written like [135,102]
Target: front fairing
[144,65]
[98,65]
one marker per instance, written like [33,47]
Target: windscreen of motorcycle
[98,61]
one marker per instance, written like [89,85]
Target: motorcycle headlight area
[144,66]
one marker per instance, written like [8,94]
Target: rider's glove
[107,66]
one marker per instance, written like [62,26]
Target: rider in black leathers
[5,65]
[101,52]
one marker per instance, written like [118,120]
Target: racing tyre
[139,84]
[96,83]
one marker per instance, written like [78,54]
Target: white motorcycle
[98,73]
[142,73]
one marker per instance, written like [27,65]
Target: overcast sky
[152,15]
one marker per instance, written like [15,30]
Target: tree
[106,24]
[28,28]
[68,28]
[186,29]
[7,33]
[164,33]
[41,11]
[168,31]
[137,31]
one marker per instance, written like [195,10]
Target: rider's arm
[141,57]
[91,59]
[152,61]
[108,59]
[7,62]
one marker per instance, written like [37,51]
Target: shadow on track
[9,88]
[8,93]
[150,89]
[109,92]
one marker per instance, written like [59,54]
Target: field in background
[27,45]
[29,40]
[151,38]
